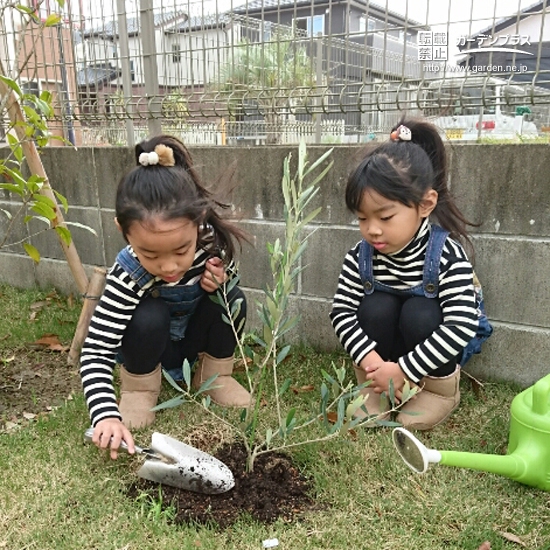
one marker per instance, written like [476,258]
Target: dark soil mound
[275,489]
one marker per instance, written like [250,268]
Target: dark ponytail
[175,191]
[446,211]
[404,171]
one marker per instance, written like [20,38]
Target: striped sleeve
[345,304]
[97,359]
[457,299]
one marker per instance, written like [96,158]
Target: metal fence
[276,71]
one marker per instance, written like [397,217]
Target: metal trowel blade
[192,470]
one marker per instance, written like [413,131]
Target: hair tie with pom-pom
[148,159]
[162,155]
[401,133]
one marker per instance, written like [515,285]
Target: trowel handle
[88,434]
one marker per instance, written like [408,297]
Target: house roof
[109,29]
[92,77]
[197,23]
[511,20]
[271,5]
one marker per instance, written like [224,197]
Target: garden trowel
[171,462]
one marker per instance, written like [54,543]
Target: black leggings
[399,323]
[146,341]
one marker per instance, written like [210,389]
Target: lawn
[58,493]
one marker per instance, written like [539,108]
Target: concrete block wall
[504,188]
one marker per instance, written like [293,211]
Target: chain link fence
[257,72]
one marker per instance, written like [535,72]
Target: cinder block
[17,270]
[88,245]
[514,275]
[254,266]
[72,173]
[503,187]
[113,241]
[514,353]
[323,259]
[111,163]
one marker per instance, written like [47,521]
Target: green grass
[58,493]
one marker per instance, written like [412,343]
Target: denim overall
[182,300]
[428,287]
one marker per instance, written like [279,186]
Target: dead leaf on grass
[29,416]
[512,538]
[37,306]
[303,389]
[49,342]
[485,546]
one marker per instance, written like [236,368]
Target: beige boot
[376,403]
[138,395]
[434,404]
[228,393]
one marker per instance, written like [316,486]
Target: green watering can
[528,457]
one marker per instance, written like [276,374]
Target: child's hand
[214,275]
[109,433]
[380,375]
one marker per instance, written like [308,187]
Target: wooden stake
[92,296]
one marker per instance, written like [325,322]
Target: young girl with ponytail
[406,307]
[156,310]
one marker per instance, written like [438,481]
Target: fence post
[150,69]
[125,65]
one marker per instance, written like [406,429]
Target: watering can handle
[541,396]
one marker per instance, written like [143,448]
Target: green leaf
[52,20]
[282,355]
[12,84]
[39,218]
[391,393]
[170,404]
[284,387]
[171,381]
[208,385]
[82,226]
[64,233]
[290,417]
[15,146]
[46,95]
[321,159]
[186,368]
[44,210]
[12,188]
[268,436]
[61,198]
[32,252]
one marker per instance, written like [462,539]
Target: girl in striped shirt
[156,310]
[405,307]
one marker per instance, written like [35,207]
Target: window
[176,53]
[31,88]
[366,24]
[313,25]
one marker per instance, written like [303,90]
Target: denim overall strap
[434,248]
[365,266]
[132,266]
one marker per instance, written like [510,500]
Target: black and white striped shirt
[109,321]
[401,271]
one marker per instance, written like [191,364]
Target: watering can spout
[512,466]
